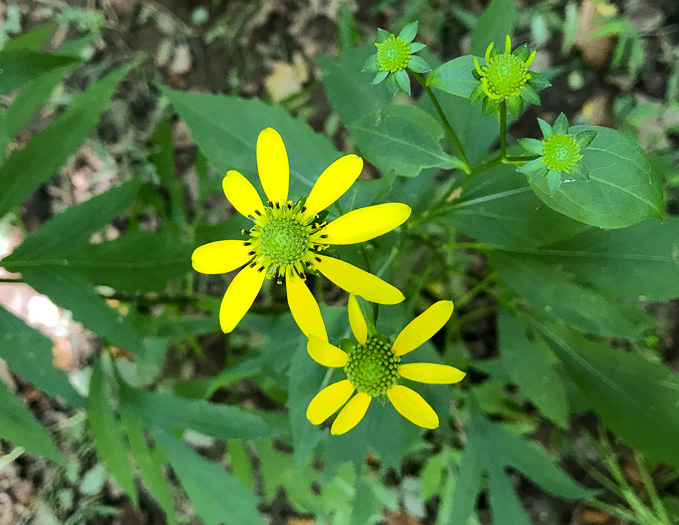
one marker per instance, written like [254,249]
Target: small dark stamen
[289,205]
[260,269]
[303,209]
[324,236]
[317,258]
[258,212]
[251,217]
[252,252]
[253,264]
[270,204]
[278,205]
[246,243]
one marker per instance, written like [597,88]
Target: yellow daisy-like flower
[285,239]
[373,368]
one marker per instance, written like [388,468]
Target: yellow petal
[304,307]
[431,373]
[272,164]
[412,406]
[351,414]
[328,401]
[478,67]
[239,297]
[357,281]
[357,321]
[364,224]
[241,194]
[220,256]
[508,45]
[423,327]
[530,59]
[333,183]
[326,354]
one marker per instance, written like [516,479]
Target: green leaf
[635,398]
[418,65]
[72,291]
[623,187]
[403,80]
[515,106]
[531,367]
[409,32]
[553,181]
[641,261]
[455,76]
[533,146]
[20,67]
[476,133]
[73,228]
[108,435]
[30,40]
[496,22]
[532,166]
[560,125]
[32,96]
[499,208]
[351,100]
[584,138]
[29,353]
[149,463]
[492,449]
[546,129]
[370,65]
[401,138]
[217,495]
[529,95]
[226,130]
[550,290]
[49,149]
[219,421]
[20,427]
[137,261]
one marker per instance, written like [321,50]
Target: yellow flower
[373,368]
[285,239]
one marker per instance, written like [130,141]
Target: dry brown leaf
[596,53]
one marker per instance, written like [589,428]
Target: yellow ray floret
[286,238]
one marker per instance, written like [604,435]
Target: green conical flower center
[393,54]
[373,367]
[560,153]
[506,75]
[283,239]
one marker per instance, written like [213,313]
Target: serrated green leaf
[29,353]
[455,76]
[401,138]
[72,291]
[217,495]
[635,398]
[532,368]
[492,449]
[226,130]
[134,262]
[108,435]
[20,427]
[149,464]
[219,421]
[38,160]
[623,187]
[496,22]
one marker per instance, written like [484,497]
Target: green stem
[503,130]
[444,120]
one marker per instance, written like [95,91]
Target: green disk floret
[283,240]
[504,76]
[560,153]
[392,54]
[373,367]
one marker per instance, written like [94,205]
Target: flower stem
[444,120]
[503,130]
